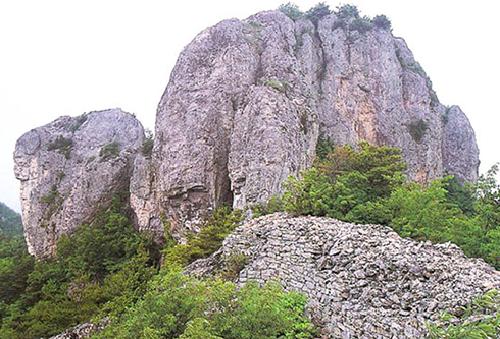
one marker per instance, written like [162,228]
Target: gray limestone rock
[363,281]
[247,100]
[69,169]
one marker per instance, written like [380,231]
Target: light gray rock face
[363,281]
[235,120]
[69,169]
[247,100]
[460,151]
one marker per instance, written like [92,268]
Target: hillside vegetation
[10,221]
[109,270]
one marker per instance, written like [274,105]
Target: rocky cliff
[247,100]
[363,281]
[243,110]
[70,169]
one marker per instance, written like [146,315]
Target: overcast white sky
[69,57]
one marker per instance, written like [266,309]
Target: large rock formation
[69,169]
[243,110]
[363,281]
[247,100]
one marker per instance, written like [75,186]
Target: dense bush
[184,307]
[147,145]
[479,319]
[367,185]
[291,10]
[417,129]
[100,268]
[361,25]
[108,151]
[347,11]
[217,227]
[10,221]
[381,21]
[62,145]
[317,12]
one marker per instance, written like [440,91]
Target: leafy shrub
[344,180]
[180,306]
[347,11]
[99,268]
[147,145]
[80,120]
[232,266]
[62,145]
[51,197]
[368,186]
[10,222]
[339,23]
[417,129]
[324,146]
[381,21]
[291,10]
[276,84]
[479,319]
[108,151]
[361,25]
[214,230]
[275,204]
[317,12]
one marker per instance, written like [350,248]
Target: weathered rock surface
[363,281]
[85,330]
[247,100]
[69,169]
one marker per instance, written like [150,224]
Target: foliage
[417,129]
[317,12]
[347,11]
[180,306]
[15,266]
[100,268]
[367,185]
[10,221]
[273,205]
[232,266]
[51,197]
[381,21]
[361,25]
[479,319]
[346,178]
[147,145]
[62,145]
[80,120]
[324,146]
[278,85]
[111,150]
[217,227]
[291,10]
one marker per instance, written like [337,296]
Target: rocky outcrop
[363,281]
[69,170]
[85,330]
[243,110]
[247,100]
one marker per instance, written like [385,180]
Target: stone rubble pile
[363,281]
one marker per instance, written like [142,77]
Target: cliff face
[247,100]
[69,169]
[243,110]
[363,281]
